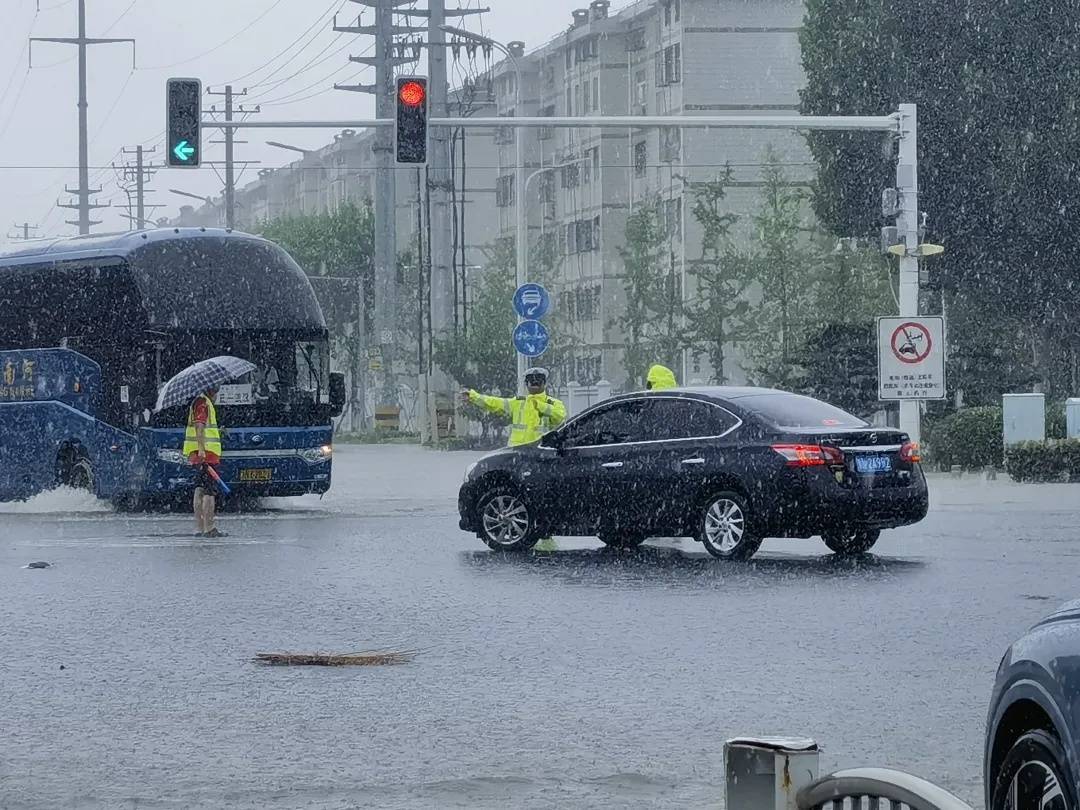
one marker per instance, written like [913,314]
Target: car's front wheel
[851,541]
[506,523]
[1034,776]
[724,528]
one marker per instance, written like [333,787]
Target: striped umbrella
[200,378]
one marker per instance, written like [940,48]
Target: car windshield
[795,411]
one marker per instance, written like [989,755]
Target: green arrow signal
[184,150]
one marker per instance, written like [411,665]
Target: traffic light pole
[907,227]
[903,124]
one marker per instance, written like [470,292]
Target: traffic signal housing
[183,127]
[411,124]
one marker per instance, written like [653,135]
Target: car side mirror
[553,441]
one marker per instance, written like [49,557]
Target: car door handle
[693,461]
[611,465]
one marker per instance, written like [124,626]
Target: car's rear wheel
[623,540]
[506,523]
[1034,776]
[851,541]
[724,528]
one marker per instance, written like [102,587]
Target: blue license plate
[873,464]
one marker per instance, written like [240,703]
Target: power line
[314,62]
[112,109]
[222,44]
[288,47]
[316,94]
[321,81]
[311,64]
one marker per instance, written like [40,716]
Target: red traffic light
[412,94]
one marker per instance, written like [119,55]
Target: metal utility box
[765,773]
[1072,418]
[1023,418]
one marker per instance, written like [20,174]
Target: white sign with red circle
[911,358]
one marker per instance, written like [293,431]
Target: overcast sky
[214,40]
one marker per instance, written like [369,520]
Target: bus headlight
[317,455]
[171,456]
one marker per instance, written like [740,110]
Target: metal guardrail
[876,789]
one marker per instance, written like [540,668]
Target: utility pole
[84,206]
[25,236]
[230,147]
[386,290]
[133,180]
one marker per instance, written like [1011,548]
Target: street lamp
[524,191]
[520,181]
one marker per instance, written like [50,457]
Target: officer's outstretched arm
[492,404]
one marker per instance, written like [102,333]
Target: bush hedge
[970,438]
[1044,461]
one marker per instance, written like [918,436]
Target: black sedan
[727,466]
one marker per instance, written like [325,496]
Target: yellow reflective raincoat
[661,377]
[530,416]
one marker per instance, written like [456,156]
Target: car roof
[719,392]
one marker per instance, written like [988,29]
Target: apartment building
[654,57]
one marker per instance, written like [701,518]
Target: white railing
[881,788]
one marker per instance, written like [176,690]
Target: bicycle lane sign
[911,358]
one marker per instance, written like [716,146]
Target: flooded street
[580,677]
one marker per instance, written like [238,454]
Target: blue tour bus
[91,327]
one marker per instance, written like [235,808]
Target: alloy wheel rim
[725,525]
[1035,787]
[506,520]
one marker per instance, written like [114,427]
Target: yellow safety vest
[530,417]
[211,434]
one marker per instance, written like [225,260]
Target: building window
[569,101]
[571,175]
[569,58]
[586,102]
[641,158]
[582,236]
[677,6]
[504,191]
[596,94]
[590,165]
[673,64]
[547,188]
[670,144]
[641,88]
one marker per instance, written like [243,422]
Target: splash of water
[56,501]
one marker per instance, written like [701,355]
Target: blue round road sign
[531,301]
[531,338]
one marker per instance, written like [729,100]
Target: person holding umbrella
[196,386]
[202,447]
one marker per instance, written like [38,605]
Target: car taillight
[809,455]
[910,453]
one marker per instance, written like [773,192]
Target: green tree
[997,88]
[482,356]
[717,313]
[781,265]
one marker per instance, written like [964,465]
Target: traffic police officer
[530,416]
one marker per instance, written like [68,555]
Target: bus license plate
[256,475]
[872,464]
